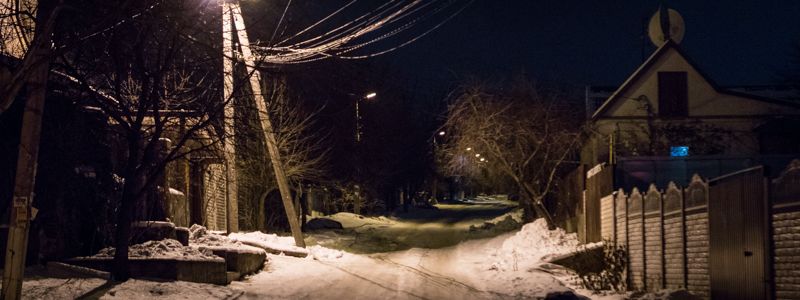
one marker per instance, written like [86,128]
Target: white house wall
[704,100]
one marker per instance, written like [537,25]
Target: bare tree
[303,151]
[524,134]
[160,93]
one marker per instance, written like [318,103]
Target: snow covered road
[503,267]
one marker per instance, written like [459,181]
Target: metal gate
[738,236]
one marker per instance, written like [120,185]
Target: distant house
[669,120]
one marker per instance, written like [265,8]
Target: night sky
[599,42]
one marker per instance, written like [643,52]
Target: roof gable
[671,53]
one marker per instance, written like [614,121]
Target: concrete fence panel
[636,251]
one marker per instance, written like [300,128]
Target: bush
[612,272]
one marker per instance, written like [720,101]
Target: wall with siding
[214,196]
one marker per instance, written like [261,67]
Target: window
[679,151]
[673,94]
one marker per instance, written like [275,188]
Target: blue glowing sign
[679,151]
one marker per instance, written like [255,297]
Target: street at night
[399,149]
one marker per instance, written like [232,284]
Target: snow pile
[526,248]
[270,241]
[321,253]
[351,220]
[504,223]
[168,248]
[199,235]
[203,239]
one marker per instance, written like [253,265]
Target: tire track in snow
[351,273]
[439,279]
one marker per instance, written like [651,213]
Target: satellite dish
[666,24]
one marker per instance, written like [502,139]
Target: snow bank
[201,238]
[534,241]
[167,249]
[326,254]
[351,220]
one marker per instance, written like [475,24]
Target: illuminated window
[679,151]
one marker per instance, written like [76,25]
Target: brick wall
[786,228]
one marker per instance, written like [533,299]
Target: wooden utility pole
[24,180]
[229,142]
[232,11]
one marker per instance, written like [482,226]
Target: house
[669,120]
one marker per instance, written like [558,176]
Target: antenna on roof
[666,24]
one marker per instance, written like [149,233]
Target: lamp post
[358,114]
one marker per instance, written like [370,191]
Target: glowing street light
[483,159]
[469,148]
[358,114]
[441,132]
[477,155]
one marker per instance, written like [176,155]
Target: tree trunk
[533,206]
[131,192]
[526,203]
[121,271]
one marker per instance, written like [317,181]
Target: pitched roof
[668,45]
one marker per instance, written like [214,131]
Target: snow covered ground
[503,267]
[94,288]
[446,254]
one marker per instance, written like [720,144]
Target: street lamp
[358,114]
[441,133]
